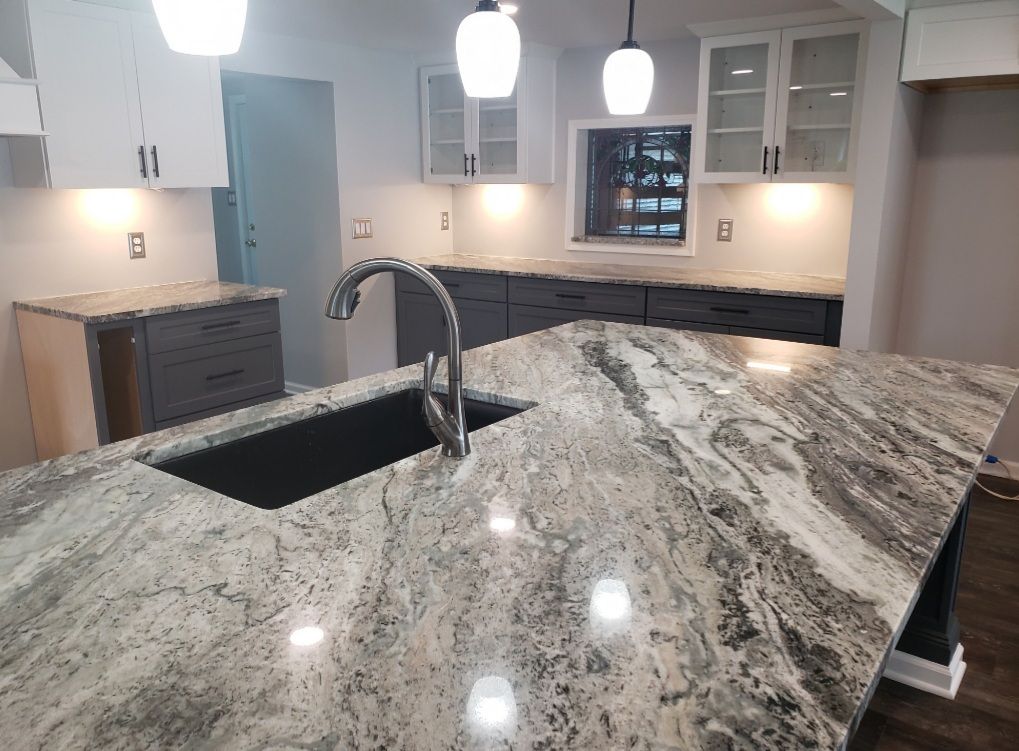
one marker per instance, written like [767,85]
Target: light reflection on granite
[138,302]
[770,542]
[750,282]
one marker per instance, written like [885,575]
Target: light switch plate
[444,221]
[136,245]
[362,228]
[725,230]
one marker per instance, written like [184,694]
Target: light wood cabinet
[121,109]
[780,106]
[467,140]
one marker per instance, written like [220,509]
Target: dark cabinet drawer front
[583,296]
[219,411]
[194,328]
[791,314]
[460,285]
[203,378]
[525,319]
[780,335]
[710,328]
[421,326]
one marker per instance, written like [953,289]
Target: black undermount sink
[273,469]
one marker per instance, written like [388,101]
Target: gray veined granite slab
[751,282]
[672,550]
[137,302]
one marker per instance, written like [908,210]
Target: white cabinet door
[447,117]
[182,111]
[84,60]
[819,103]
[736,112]
[500,147]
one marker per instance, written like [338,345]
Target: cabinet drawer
[619,299]
[194,328]
[710,328]
[202,378]
[421,326]
[525,319]
[791,314]
[783,336]
[219,411]
[459,284]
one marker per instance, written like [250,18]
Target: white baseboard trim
[296,388]
[932,677]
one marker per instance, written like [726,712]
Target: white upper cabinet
[780,106]
[466,140]
[114,99]
[970,44]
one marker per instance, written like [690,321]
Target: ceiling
[427,25]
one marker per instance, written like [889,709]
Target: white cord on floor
[999,495]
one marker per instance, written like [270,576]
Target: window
[638,182]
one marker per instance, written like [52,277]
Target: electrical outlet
[362,228]
[725,230]
[444,225]
[136,245]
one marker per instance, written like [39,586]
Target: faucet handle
[432,409]
[431,365]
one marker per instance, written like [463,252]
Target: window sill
[633,245]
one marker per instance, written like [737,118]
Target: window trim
[576,177]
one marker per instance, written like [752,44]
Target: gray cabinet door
[526,319]
[421,326]
[199,379]
[459,284]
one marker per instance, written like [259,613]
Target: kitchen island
[686,541]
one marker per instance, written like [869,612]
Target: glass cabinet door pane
[822,92]
[447,117]
[497,136]
[737,101]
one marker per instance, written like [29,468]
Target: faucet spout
[448,424]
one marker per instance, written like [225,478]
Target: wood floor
[985,713]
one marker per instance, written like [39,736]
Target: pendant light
[488,52]
[629,76]
[202,27]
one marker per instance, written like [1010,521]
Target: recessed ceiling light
[774,367]
[742,71]
[509,8]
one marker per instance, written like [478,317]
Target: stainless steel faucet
[448,426]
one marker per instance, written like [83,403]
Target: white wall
[778,228]
[291,138]
[64,241]
[379,164]
[961,295]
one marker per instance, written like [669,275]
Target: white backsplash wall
[64,241]
[802,229]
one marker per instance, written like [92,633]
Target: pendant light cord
[633,12]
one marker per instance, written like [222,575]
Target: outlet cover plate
[725,230]
[136,245]
[444,221]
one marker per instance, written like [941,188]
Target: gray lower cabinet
[493,307]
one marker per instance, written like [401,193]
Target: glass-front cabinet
[780,106]
[467,140]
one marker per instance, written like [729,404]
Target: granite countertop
[752,282]
[693,554]
[137,302]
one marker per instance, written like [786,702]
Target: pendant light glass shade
[629,77]
[488,52]
[202,27]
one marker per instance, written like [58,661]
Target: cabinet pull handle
[144,163]
[155,162]
[221,376]
[565,296]
[778,151]
[224,325]
[451,285]
[737,311]
[764,169]
[473,170]
[466,170]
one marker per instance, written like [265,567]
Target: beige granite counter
[751,282]
[138,302]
